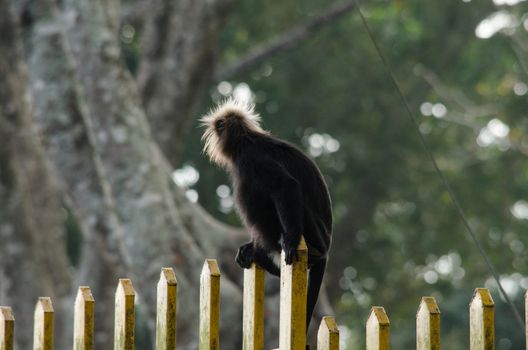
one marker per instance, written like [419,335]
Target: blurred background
[102,176]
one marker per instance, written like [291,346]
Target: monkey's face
[225,125]
[230,125]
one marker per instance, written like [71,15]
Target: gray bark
[150,212]
[33,259]
[111,173]
[178,59]
[134,219]
[63,116]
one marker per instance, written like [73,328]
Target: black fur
[280,194]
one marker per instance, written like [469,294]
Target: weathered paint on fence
[43,331]
[378,329]
[328,334]
[253,309]
[83,329]
[7,328]
[292,332]
[209,306]
[481,321]
[292,315]
[124,315]
[166,310]
[428,325]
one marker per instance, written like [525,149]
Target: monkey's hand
[246,255]
[289,246]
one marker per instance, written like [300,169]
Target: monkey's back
[257,153]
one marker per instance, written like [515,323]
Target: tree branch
[285,40]
[470,110]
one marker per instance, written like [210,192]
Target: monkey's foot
[245,255]
[289,246]
[290,256]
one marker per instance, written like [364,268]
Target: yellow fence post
[83,323]
[253,309]
[328,334]
[292,333]
[428,325]
[43,331]
[209,306]
[481,321]
[166,310]
[124,315]
[378,329]
[7,328]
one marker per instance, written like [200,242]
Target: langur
[279,192]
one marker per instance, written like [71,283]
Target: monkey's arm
[287,198]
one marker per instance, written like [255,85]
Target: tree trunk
[178,60]
[112,175]
[33,259]
[131,211]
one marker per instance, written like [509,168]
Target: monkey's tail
[315,279]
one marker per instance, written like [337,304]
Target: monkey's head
[225,125]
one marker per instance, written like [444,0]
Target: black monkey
[279,192]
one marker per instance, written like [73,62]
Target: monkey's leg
[315,278]
[266,262]
[248,253]
[288,202]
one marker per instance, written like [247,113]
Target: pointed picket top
[125,288]
[293,293]
[481,321]
[526,316]
[328,334]
[211,268]
[302,245]
[43,328]
[7,328]
[484,296]
[429,305]
[428,325]
[124,315]
[253,309]
[45,305]
[166,310]
[6,314]
[378,329]
[168,277]
[378,314]
[84,294]
[83,330]
[209,338]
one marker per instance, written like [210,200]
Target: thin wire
[452,194]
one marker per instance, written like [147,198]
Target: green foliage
[397,236]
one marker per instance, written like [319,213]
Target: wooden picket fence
[292,335]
